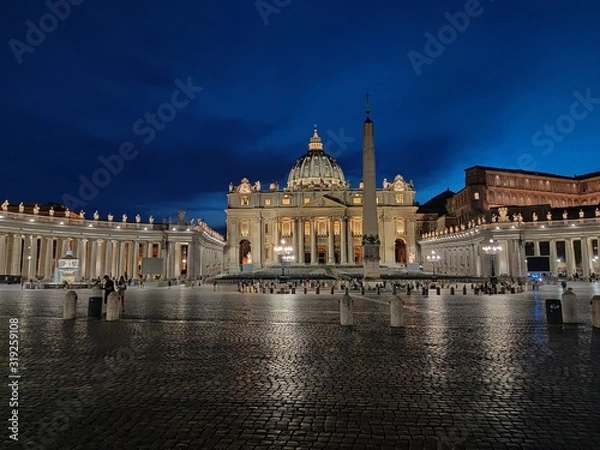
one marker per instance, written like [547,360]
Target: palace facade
[33,239]
[319,216]
[531,216]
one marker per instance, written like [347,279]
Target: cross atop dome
[315,144]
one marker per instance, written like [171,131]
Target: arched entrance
[245,252]
[400,251]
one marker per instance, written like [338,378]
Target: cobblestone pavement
[189,368]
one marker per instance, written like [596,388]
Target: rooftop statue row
[501,217]
[35,210]
[245,187]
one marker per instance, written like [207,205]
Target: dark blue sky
[518,86]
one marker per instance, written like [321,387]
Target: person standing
[121,287]
[109,286]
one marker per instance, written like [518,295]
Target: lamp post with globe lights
[286,255]
[433,258]
[492,249]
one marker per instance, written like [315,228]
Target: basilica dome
[316,170]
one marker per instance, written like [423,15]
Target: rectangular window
[267,202]
[286,201]
[545,248]
[244,201]
[266,228]
[357,200]
[399,198]
[306,200]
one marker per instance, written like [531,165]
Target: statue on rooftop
[5,205]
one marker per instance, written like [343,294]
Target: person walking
[121,287]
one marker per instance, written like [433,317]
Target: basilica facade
[36,240]
[318,217]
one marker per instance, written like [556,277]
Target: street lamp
[433,258]
[492,249]
[286,255]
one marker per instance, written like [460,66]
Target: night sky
[182,97]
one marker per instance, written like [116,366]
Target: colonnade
[32,248]
[462,253]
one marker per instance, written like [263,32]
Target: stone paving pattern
[189,368]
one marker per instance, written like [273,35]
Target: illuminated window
[336,228]
[267,202]
[306,200]
[399,198]
[357,200]
[307,228]
[244,201]
[286,200]
[476,195]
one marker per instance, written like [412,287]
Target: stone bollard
[595,302]
[396,312]
[113,307]
[70,305]
[569,307]
[346,318]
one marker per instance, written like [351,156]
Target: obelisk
[370,241]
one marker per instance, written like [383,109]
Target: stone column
[100,249]
[313,242]
[553,258]
[536,248]
[176,259]
[299,235]
[15,261]
[570,257]
[330,256]
[477,260]
[344,240]
[108,259]
[135,255]
[3,253]
[120,267]
[585,257]
[93,258]
[81,255]
[33,256]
